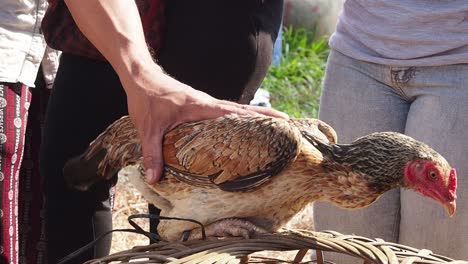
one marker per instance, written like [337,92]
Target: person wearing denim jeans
[401,66]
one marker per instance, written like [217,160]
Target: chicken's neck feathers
[380,157]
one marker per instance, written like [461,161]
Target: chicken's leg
[230,227]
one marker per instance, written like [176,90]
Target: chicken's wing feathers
[190,178]
[232,153]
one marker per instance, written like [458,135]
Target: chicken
[241,175]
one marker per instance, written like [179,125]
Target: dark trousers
[221,47]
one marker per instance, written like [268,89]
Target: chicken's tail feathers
[112,150]
[82,174]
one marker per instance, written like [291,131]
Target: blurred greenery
[295,84]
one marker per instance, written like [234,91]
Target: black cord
[78,252]
[153,237]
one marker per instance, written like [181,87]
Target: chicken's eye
[432,175]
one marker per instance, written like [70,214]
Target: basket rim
[225,250]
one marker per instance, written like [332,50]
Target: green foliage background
[295,84]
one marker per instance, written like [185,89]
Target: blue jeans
[427,103]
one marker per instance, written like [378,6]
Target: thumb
[153,158]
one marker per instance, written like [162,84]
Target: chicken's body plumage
[258,169]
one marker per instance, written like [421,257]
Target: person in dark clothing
[185,61]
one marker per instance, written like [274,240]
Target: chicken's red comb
[452,186]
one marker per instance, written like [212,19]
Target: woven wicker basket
[235,250]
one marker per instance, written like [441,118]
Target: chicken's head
[391,160]
[433,179]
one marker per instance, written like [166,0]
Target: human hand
[157,103]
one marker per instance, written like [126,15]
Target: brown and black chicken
[238,175]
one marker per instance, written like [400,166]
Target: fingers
[220,108]
[269,111]
[252,110]
[153,158]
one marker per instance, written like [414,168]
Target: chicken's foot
[230,227]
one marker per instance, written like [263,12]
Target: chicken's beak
[450,207]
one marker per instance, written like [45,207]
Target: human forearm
[114,28]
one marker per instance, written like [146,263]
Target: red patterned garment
[14,103]
[61,32]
